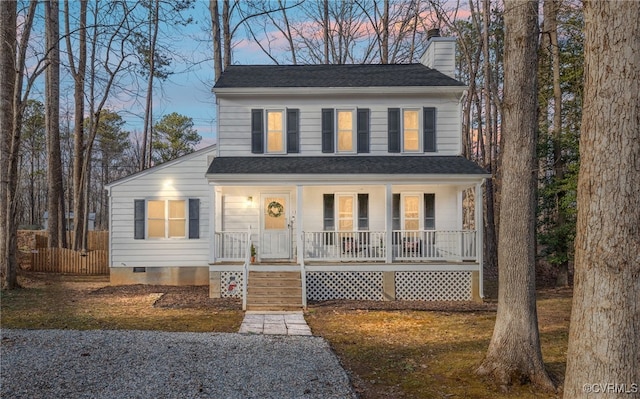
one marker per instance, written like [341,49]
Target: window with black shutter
[363,130]
[429,211]
[293,131]
[176,218]
[328,212]
[257,131]
[393,132]
[363,211]
[429,129]
[327,130]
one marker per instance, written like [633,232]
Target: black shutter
[395,215]
[138,219]
[257,131]
[194,218]
[363,130]
[363,211]
[293,131]
[429,211]
[328,217]
[429,129]
[327,131]
[394,129]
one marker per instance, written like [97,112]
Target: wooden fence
[62,260]
[96,240]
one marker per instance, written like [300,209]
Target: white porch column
[389,221]
[479,214]
[300,243]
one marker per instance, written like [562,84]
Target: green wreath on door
[275,209]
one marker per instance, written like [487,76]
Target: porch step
[274,291]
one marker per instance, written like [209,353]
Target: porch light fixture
[249,200]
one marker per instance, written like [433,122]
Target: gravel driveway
[149,364]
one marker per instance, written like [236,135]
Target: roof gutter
[233,179]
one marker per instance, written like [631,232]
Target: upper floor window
[345,131]
[275,131]
[410,130]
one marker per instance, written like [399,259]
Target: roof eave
[264,91]
[240,179]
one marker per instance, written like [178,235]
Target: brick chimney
[440,53]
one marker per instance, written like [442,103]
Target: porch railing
[434,245]
[339,245]
[231,245]
[425,245]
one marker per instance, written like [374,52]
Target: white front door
[275,240]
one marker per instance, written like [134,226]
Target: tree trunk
[551,12]
[154,10]
[384,50]
[8,11]
[79,75]
[56,223]
[217,44]
[514,354]
[325,29]
[604,337]
[226,32]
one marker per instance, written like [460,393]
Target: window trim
[167,218]
[141,216]
[419,130]
[336,211]
[283,130]
[427,130]
[420,210]
[354,130]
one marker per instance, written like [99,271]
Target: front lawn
[391,350]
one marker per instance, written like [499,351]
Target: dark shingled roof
[365,75]
[390,165]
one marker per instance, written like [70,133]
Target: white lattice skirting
[433,286]
[231,284]
[322,286]
[425,286]
[411,286]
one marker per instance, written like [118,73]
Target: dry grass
[88,302]
[421,351]
[433,354]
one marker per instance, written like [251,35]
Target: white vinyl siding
[234,126]
[176,181]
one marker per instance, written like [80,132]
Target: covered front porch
[369,264]
[384,229]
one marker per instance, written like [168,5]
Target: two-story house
[344,181]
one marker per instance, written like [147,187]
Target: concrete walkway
[274,323]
